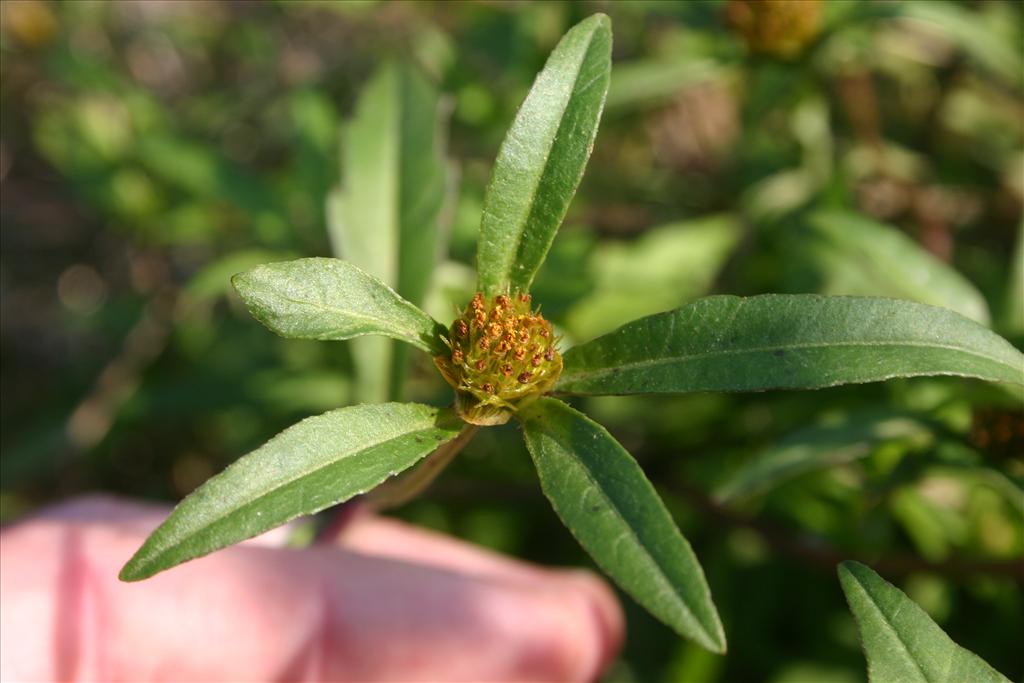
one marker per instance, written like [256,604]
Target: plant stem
[398,491]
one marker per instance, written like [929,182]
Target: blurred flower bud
[780,28]
[31,22]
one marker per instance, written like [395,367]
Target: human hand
[384,601]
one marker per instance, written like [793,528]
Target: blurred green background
[150,150]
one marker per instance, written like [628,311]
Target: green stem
[399,491]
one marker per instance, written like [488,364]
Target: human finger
[256,613]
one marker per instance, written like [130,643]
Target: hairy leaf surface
[776,341]
[902,643]
[542,158]
[603,497]
[312,465]
[328,299]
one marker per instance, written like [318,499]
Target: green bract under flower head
[502,356]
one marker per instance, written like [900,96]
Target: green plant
[503,362]
[900,640]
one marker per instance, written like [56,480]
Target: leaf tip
[140,566]
[239,282]
[711,639]
[851,573]
[849,567]
[596,22]
[130,572]
[718,644]
[714,632]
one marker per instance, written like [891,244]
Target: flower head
[502,355]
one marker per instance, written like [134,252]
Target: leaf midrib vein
[301,475]
[521,226]
[892,630]
[378,321]
[665,360]
[661,575]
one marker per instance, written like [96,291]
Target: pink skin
[384,602]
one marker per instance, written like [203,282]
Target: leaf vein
[654,362]
[630,534]
[892,630]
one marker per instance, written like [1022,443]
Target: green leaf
[902,643]
[780,341]
[328,299]
[603,497]
[312,465]
[384,217]
[862,257]
[819,446]
[542,158]
[665,268]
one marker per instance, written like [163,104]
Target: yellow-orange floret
[502,355]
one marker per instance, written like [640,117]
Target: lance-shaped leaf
[800,341]
[603,497]
[902,643]
[310,466]
[542,158]
[384,215]
[328,299]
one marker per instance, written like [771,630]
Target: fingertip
[569,628]
[604,619]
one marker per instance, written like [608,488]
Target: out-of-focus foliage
[384,216]
[150,150]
